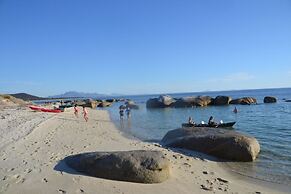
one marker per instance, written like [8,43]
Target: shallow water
[269,123]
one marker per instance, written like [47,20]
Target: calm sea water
[269,123]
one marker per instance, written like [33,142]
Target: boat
[219,125]
[37,108]
[51,110]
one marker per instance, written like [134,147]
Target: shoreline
[34,162]
[235,174]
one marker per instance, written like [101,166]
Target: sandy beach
[33,145]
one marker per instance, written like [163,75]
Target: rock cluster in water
[225,144]
[165,101]
[133,166]
[90,103]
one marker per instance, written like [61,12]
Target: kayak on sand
[37,108]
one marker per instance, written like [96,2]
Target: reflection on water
[125,125]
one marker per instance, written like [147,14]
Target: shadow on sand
[63,167]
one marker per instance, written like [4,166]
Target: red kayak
[37,108]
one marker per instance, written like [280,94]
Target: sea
[270,124]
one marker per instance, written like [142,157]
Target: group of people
[85,112]
[211,121]
[126,110]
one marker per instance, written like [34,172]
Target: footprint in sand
[80,191]
[44,180]
[62,191]
[76,180]
[16,176]
[28,171]
[4,188]
[20,180]
[11,169]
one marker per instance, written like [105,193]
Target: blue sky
[48,47]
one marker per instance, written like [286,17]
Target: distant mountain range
[26,97]
[73,94]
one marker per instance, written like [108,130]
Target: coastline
[33,163]
[279,187]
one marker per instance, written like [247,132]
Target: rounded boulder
[138,166]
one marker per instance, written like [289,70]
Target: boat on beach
[37,108]
[219,125]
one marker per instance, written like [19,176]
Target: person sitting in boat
[211,122]
[190,121]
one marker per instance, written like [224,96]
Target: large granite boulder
[203,101]
[166,100]
[154,103]
[225,144]
[244,101]
[111,100]
[192,101]
[221,100]
[131,104]
[79,102]
[162,102]
[104,104]
[270,99]
[90,103]
[184,102]
[133,166]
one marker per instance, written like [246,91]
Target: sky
[49,47]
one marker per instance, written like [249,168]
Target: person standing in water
[121,113]
[85,113]
[128,112]
[235,110]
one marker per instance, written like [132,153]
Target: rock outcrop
[104,104]
[162,102]
[154,103]
[221,100]
[221,143]
[166,100]
[244,101]
[270,99]
[111,100]
[79,102]
[133,166]
[203,101]
[131,104]
[184,102]
[90,103]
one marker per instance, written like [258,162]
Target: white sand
[35,143]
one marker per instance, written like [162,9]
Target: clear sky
[48,47]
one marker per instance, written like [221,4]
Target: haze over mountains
[74,94]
